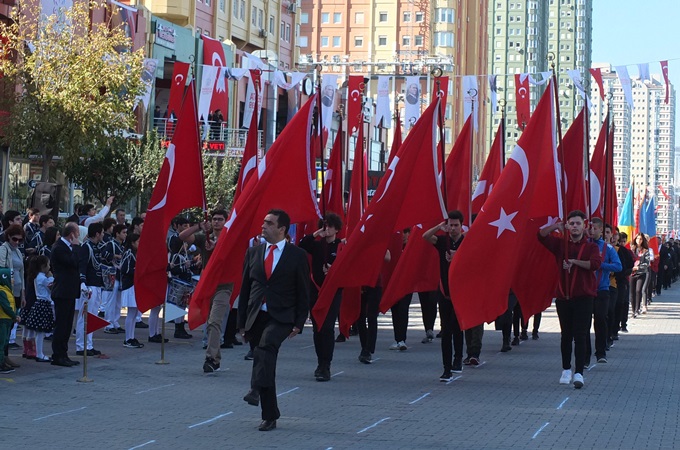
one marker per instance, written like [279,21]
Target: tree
[78,82]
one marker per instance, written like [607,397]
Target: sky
[628,32]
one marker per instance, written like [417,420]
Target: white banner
[250,103]
[624,78]
[254,62]
[471,97]
[643,70]
[329,85]
[205,95]
[148,78]
[546,76]
[382,104]
[412,97]
[493,89]
[575,76]
[236,73]
[282,82]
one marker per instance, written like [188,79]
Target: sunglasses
[17,239]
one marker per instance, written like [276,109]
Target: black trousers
[575,316]
[64,308]
[451,332]
[400,318]
[600,307]
[428,306]
[507,318]
[324,336]
[267,335]
[368,318]
[230,327]
[622,305]
[638,291]
[612,330]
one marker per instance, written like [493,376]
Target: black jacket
[89,260]
[64,262]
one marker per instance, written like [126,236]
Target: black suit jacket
[286,292]
[64,262]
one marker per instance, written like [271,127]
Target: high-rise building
[528,37]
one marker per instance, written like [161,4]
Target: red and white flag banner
[664,71]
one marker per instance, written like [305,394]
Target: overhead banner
[412,98]
[471,96]
[250,98]
[205,95]
[355,88]
[624,78]
[329,85]
[383,115]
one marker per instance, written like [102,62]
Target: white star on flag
[504,222]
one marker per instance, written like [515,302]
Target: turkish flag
[355,88]
[522,99]
[458,172]
[333,198]
[179,186]
[358,190]
[527,188]
[598,173]
[249,159]
[180,72]
[664,72]
[95,323]
[213,55]
[282,182]
[397,140]
[409,193]
[574,154]
[597,74]
[416,271]
[440,90]
[490,172]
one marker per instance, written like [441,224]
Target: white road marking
[307,346]
[419,398]
[373,426]
[156,388]
[457,378]
[539,430]
[60,413]
[563,402]
[287,392]
[210,420]
[342,371]
[141,445]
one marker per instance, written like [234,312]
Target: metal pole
[163,360]
[85,379]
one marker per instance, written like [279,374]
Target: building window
[324,41]
[207,2]
[359,18]
[303,41]
[304,17]
[406,41]
[382,17]
[243,10]
[382,41]
[325,18]
[336,41]
[260,18]
[358,41]
[444,15]
[443,39]
[407,16]
[222,5]
[253,16]
[282,30]
[287,38]
[419,40]
[337,17]
[271,25]
[420,17]
[235,10]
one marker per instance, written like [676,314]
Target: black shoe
[13,345]
[93,352]
[227,345]
[623,330]
[61,362]
[365,357]
[120,330]
[534,335]
[236,342]
[252,397]
[267,425]
[439,335]
[249,356]
[446,376]
[75,363]
[210,366]
[80,353]
[324,374]
[341,338]
[317,372]
[615,337]
[466,361]
[182,335]
[353,331]
[141,325]
[523,336]
[157,339]
[111,330]
[457,366]
[506,347]
[515,341]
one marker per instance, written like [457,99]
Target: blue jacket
[610,263]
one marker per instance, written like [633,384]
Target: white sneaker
[566,376]
[394,346]
[578,380]
[402,346]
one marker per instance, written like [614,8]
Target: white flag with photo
[382,103]
[412,97]
[329,85]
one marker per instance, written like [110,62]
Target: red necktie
[269,261]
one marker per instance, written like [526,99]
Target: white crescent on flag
[595,192]
[520,158]
[170,157]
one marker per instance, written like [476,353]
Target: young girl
[640,276]
[40,319]
[127,278]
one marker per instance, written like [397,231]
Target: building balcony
[176,11]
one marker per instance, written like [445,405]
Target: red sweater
[582,282]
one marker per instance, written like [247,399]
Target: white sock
[130,323]
[39,339]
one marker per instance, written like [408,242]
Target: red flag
[665,195]
[597,74]
[416,271]
[213,55]
[574,155]
[522,99]
[408,193]
[611,215]
[664,71]
[598,173]
[440,90]
[180,72]
[358,191]
[397,140]
[179,186]
[526,188]
[249,159]
[95,323]
[355,87]
[458,172]
[490,172]
[332,190]
[282,182]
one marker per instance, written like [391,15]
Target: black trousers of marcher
[64,308]
[575,316]
[400,318]
[622,305]
[611,312]
[600,306]
[428,306]
[451,332]
[324,336]
[368,319]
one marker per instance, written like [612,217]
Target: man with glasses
[205,241]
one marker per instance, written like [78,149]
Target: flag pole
[609,158]
[85,378]
[501,102]
[162,360]
[437,74]
[473,94]
[560,158]
[586,155]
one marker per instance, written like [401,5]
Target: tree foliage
[77,82]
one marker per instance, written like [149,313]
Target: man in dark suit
[273,306]
[65,291]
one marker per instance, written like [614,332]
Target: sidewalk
[513,400]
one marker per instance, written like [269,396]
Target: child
[40,319]
[127,277]
[8,316]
